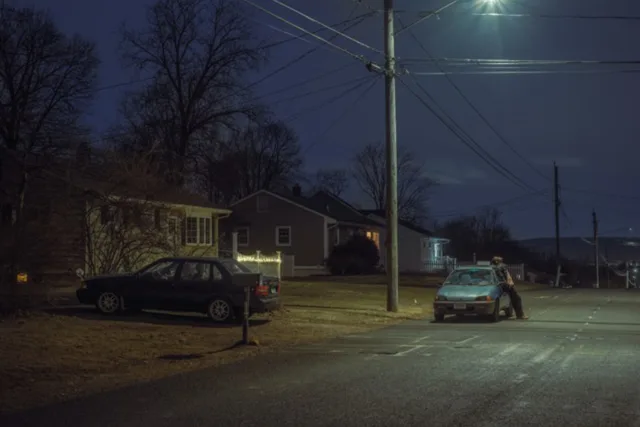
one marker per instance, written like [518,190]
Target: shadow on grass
[150,317]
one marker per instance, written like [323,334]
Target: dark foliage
[359,255]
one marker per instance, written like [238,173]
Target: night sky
[588,123]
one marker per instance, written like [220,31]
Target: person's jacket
[504,275]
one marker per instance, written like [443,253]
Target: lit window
[374,236]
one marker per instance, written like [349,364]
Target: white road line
[414,348]
[544,355]
[416,341]
[503,353]
[467,340]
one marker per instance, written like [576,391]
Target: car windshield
[234,266]
[470,277]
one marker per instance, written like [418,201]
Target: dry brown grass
[55,356]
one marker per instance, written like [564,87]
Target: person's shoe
[511,317]
[523,317]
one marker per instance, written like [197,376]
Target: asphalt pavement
[575,362]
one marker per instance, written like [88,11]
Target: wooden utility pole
[596,248]
[556,197]
[392,158]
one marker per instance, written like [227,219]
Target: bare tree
[370,174]
[334,181]
[196,52]
[262,157]
[46,82]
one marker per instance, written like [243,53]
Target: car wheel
[220,310]
[108,303]
[495,316]
[439,317]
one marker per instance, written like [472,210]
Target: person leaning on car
[509,286]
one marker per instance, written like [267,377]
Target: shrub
[359,255]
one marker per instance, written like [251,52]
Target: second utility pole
[596,248]
[392,158]
[556,202]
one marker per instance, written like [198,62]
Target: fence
[269,265]
[444,265]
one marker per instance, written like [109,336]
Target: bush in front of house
[359,255]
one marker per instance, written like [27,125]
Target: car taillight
[262,290]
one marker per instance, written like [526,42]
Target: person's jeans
[516,300]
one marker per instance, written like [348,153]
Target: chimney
[297,190]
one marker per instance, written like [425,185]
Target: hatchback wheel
[108,303]
[220,310]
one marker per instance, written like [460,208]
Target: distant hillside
[613,248]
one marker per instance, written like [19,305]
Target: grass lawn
[64,353]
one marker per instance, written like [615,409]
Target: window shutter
[183,231]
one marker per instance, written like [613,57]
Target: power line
[427,16]
[287,40]
[341,116]
[322,89]
[507,202]
[477,111]
[325,103]
[323,40]
[554,16]
[466,139]
[315,21]
[303,55]
[509,61]
[523,72]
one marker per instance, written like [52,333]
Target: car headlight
[441,298]
[484,298]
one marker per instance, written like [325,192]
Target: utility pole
[556,197]
[392,158]
[596,248]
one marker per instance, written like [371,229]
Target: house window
[243,236]
[262,204]
[375,237]
[283,236]
[198,230]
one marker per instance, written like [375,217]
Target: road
[574,363]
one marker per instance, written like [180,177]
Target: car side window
[217,274]
[196,271]
[165,270]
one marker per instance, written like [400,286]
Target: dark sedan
[214,286]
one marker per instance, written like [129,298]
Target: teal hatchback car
[472,290]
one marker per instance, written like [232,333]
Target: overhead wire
[320,90]
[360,58]
[341,116]
[326,102]
[561,16]
[465,138]
[523,72]
[427,16]
[315,21]
[476,110]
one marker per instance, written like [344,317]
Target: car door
[194,286]
[154,287]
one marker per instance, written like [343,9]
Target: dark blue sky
[588,123]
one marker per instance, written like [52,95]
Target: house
[306,228]
[74,216]
[418,249]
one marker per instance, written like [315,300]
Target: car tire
[220,310]
[495,316]
[109,303]
[438,317]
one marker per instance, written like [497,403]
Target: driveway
[574,363]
